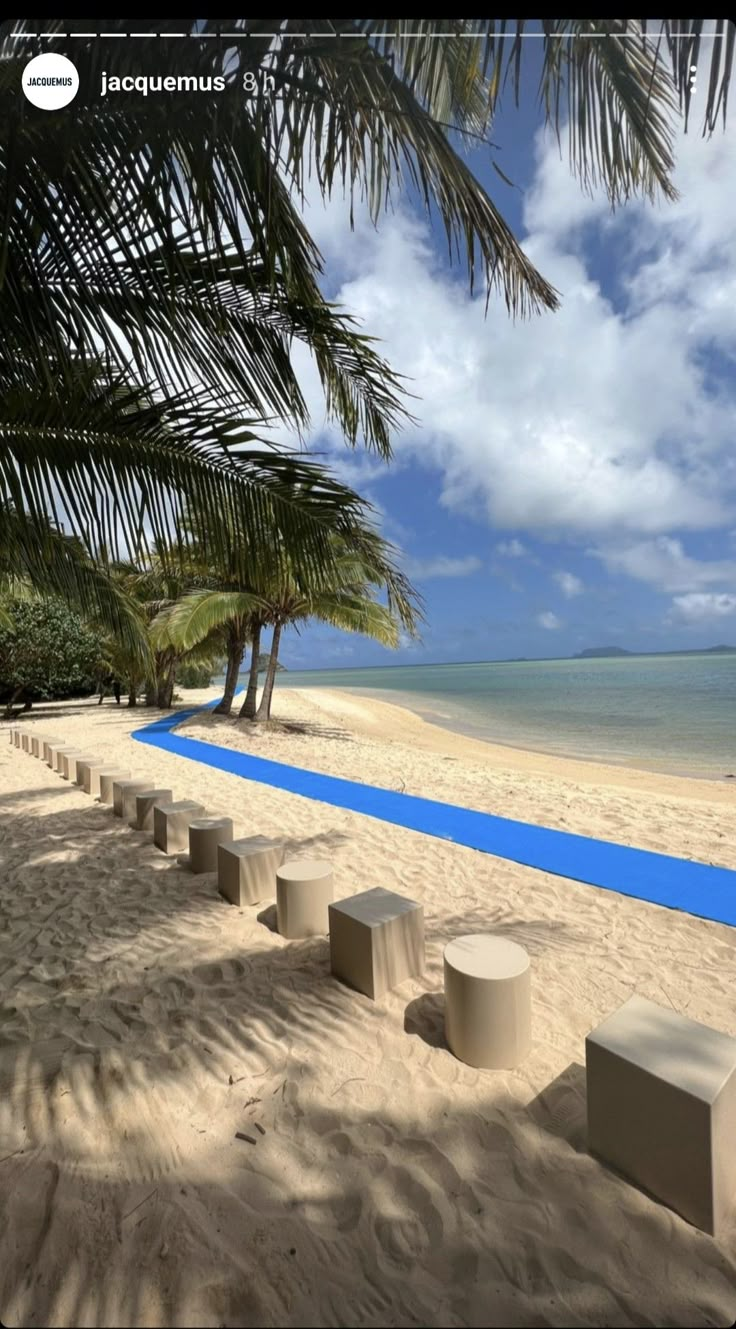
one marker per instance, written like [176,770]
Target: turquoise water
[674,713]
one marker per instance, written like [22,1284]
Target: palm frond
[198,614]
[58,565]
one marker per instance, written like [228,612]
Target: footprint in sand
[409,1224]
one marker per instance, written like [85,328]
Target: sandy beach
[382,1182]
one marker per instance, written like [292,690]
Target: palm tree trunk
[248,709]
[235,650]
[264,710]
[133,693]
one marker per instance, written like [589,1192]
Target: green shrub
[190,675]
[49,652]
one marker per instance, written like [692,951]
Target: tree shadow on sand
[209,1128]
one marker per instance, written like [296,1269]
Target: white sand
[389,1183]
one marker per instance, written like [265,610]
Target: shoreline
[390,736]
[437,719]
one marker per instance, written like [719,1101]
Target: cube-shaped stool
[36,742]
[48,743]
[69,764]
[123,796]
[205,834]
[246,870]
[662,1107]
[84,771]
[54,750]
[145,802]
[18,736]
[488,1001]
[60,753]
[376,940]
[25,741]
[104,780]
[171,822]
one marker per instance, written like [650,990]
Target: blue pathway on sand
[696,888]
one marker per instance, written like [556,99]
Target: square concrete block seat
[246,870]
[662,1107]
[54,749]
[69,764]
[124,794]
[304,890]
[59,754]
[48,743]
[25,741]
[376,940]
[84,771]
[145,802]
[171,822]
[488,1003]
[102,781]
[205,835]
[37,741]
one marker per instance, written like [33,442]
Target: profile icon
[50,81]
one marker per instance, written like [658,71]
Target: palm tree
[345,597]
[165,236]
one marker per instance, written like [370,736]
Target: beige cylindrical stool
[145,802]
[205,834]
[488,1004]
[123,796]
[105,780]
[304,890]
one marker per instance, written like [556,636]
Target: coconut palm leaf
[198,614]
[58,565]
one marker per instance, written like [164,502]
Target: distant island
[593,652]
[600,652]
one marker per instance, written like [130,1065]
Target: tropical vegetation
[157,271]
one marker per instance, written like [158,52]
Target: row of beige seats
[661,1088]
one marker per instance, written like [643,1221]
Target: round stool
[488,1005]
[205,834]
[303,893]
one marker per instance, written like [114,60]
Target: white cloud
[511,549]
[568,583]
[600,419]
[701,605]
[549,620]
[422,569]
[664,564]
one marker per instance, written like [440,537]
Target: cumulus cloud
[699,606]
[422,569]
[604,418]
[568,583]
[664,564]
[549,620]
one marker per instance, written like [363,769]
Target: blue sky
[571,480]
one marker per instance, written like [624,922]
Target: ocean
[672,713]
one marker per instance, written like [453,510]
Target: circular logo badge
[50,81]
